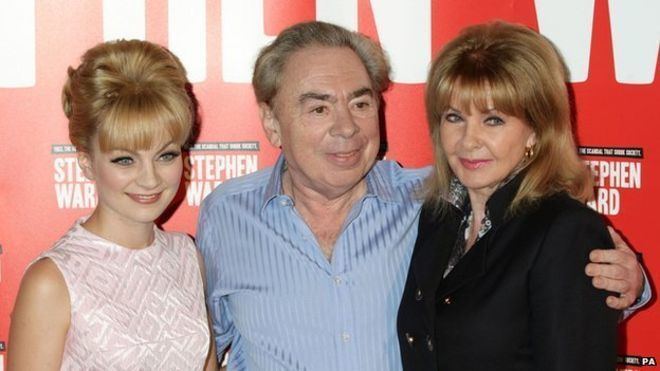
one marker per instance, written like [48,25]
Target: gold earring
[529,152]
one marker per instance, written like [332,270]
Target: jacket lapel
[469,268]
[474,263]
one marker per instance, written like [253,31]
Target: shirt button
[338,280]
[447,300]
[418,295]
[410,339]
[429,343]
[284,202]
[345,337]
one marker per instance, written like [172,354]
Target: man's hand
[617,271]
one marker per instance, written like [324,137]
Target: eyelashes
[168,156]
[452,117]
[122,160]
[492,120]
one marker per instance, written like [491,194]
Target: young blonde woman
[116,292]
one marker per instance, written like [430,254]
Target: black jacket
[518,300]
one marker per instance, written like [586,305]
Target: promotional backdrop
[610,47]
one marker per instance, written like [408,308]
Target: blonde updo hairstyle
[521,73]
[129,93]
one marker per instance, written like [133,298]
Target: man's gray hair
[272,58]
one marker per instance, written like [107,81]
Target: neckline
[80,229]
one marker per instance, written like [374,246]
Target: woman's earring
[529,152]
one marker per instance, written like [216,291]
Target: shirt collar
[498,203]
[378,184]
[274,185]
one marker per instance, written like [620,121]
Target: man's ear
[85,164]
[270,124]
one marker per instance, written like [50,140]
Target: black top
[518,300]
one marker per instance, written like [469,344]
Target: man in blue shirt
[306,261]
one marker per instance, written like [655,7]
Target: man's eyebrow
[360,92]
[329,98]
[315,96]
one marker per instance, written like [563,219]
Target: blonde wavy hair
[522,74]
[129,93]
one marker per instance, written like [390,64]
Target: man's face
[325,118]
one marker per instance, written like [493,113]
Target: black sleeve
[572,327]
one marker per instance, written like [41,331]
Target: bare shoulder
[43,295]
[40,319]
[43,281]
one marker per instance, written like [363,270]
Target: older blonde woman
[497,278]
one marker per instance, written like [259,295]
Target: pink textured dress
[132,309]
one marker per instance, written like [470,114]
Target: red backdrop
[611,48]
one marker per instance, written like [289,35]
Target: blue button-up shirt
[279,302]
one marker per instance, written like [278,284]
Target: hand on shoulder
[617,270]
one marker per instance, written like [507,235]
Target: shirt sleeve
[642,300]
[223,325]
[572,327]
[208,243]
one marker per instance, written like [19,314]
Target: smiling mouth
[347,158]
[474,164]
[345,154]
[145,199]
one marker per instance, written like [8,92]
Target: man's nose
[344,123]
